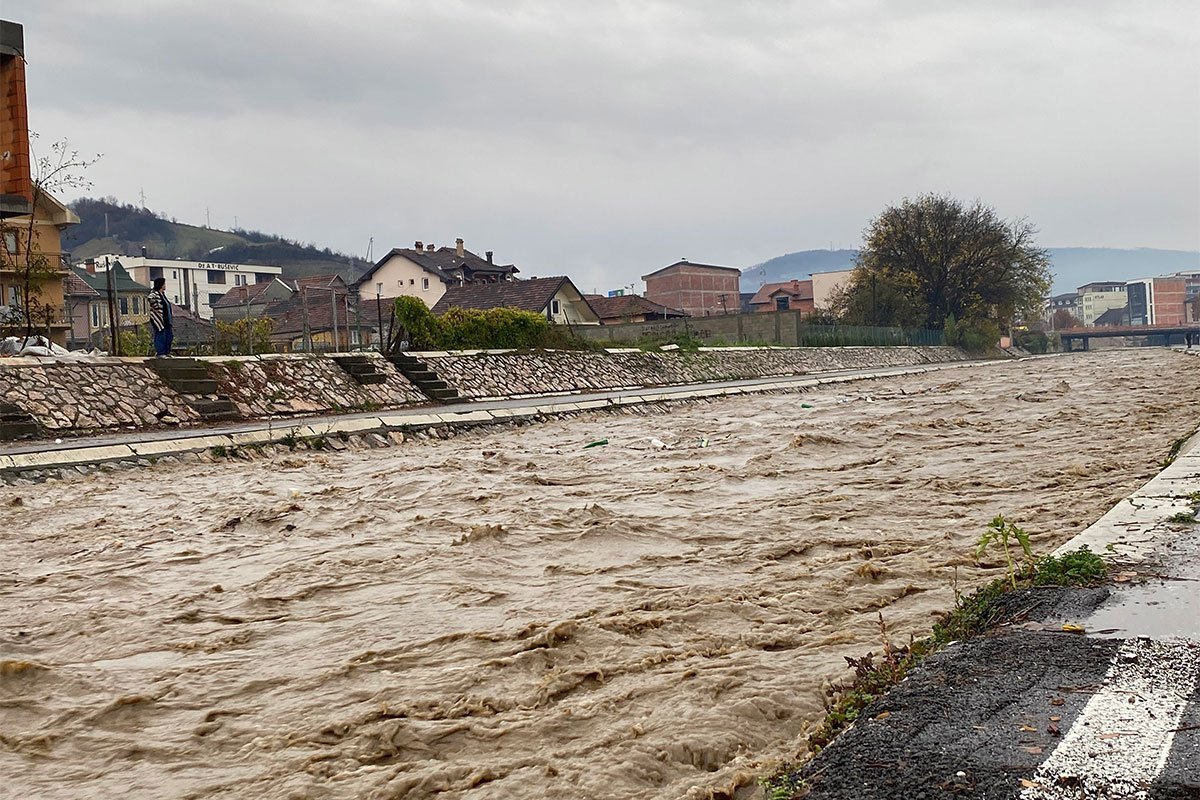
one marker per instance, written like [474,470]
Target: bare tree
[62,169]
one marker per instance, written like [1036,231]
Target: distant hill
[1072,266]
[129,228]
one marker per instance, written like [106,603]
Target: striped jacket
[160,311]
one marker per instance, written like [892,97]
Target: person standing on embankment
[161,318]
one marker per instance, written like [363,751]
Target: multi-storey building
[699,290]
[193,285]
[1097,297]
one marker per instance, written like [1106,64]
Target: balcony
[14,263]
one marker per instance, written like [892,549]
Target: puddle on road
[1159,607]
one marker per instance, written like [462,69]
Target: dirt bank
[507,615]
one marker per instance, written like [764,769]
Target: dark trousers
[162,341]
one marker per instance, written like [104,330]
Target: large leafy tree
[933,259]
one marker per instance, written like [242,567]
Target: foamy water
[508,615]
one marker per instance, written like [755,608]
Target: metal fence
[850,335]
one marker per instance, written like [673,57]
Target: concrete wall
[784,328]
[494,373]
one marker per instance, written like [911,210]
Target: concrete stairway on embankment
[16,423]
[189,377]
[424,378]
[361,368]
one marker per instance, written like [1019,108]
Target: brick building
[699,290]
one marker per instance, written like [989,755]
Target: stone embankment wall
[299,384]
[499,373]
[75,396]
[119,393]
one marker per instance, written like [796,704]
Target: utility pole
[249,326]
[304,316]
[357,319]
[112,309]
[379,313]
[333,316]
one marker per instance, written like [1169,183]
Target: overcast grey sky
[607,139]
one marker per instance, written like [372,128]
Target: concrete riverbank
[35,460]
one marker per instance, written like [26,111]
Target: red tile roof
[629,305]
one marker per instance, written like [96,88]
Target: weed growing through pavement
[1183,518]
[999,532]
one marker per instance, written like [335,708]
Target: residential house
[311,320]
[699,290]
[250,300]
[826,285]
[426,272]
[78,296]
[1067,301]
[1097,297]
[556,298]
[1112,317]
[31,220]
[791,295]
[128,300]
[616,309]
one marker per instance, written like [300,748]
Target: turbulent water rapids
[506,614]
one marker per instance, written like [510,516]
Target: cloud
[605,137]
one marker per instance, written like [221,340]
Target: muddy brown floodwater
[508,615]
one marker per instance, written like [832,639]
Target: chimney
[459,249]
[489,256]
[418,245]
[143,252]
[90,266]
[429,248]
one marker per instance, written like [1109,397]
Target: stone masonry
[498,373]
[76,396]
[298,384]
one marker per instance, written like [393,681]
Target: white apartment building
[195,285]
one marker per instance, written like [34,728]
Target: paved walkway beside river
[1037,711]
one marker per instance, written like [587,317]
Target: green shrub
[476,329]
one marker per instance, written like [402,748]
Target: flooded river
[509,615]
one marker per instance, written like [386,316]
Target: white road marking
[1121,740]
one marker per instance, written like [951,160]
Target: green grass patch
[1183,518]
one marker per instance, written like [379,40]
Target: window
[216,276]
[412,281]
[14,295]
[155,272]
[176,299]
[137,305]
[95,316]
[175,277]
[10,242]
[781,304]
[239,280]
[424,283]
[213,298]
[124,303]
[554,307]
[262,277]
